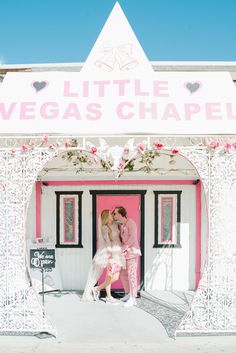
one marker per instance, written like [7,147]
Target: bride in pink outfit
[109,255]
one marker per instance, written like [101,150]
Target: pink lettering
[190,109]
[6,114]
[49,110]
[137,89]
[95,110]
[72,111]
[212,109]
[27,110]
[67,92]
[101,87]
[85,88]
[121,86]
[229,110]
[160,89]
[121,110]
[143,110]
[170,112]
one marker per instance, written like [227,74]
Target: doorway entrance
[133,202]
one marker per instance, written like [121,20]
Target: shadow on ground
[167,312]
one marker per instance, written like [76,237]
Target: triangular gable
[118,97]
[116,50]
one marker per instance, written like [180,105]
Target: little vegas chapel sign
[118,92]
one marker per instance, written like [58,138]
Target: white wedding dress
[105,248]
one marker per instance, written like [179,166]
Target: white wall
[172,268]
[169,269]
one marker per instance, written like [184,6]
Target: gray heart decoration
[39,85]
[192,87]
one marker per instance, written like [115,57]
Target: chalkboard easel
[41,259]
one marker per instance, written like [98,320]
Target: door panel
[132,205]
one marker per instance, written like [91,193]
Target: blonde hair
[104,218]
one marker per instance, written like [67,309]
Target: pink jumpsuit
[131,250]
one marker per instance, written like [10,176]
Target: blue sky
[58,31]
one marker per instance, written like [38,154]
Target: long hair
[104,219]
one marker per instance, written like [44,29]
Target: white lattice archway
[214,306]
[213,309]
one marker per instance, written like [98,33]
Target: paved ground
[99,327]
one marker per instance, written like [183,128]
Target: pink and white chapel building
[155,137]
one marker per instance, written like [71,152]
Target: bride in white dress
[108,256]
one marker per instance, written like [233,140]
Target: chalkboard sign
[42,258]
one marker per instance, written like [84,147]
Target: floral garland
[145,155]
[126,162]
[227,147]
[32,144]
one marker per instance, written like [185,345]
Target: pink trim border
[120,182]
[38,210]
[198,231]
[132,182]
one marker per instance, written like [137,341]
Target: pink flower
[214,144]
[13,151]
[121,165]
[24,148]
[126,150]
[141,147]
[228,146]
[93,149]
[52,146]
[174,151]
[67,144]
[45,138]
[158,145]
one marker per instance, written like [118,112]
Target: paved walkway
[100,327]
